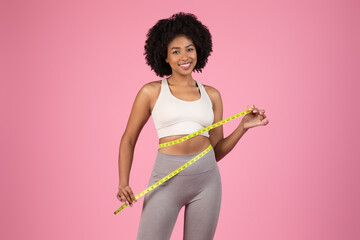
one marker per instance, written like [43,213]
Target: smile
[185,66]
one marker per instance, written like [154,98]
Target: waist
[181,127]
[166,163]
[191,146]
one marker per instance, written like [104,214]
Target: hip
[165,163]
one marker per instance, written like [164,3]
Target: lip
[185,64]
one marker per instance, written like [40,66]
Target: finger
[262,116]
[250,107]
[123,198]
[128,199]
[127,195]
[266,122]
[132,196]
[120,198]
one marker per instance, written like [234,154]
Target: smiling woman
[180,105]
[165,31]
[181,53]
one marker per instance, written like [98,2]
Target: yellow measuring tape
[176,141]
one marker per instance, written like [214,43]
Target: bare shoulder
[213,93]
[151,89]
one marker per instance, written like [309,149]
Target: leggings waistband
[166,163]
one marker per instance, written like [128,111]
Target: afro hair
[165,30]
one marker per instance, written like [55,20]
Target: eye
[191,49]
[175,52]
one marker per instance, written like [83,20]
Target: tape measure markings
[197,157]
[191,135]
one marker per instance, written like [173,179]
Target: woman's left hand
[254,118]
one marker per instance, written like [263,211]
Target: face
[181,55]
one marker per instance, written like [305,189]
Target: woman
[180,105]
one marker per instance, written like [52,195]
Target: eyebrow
[179,48]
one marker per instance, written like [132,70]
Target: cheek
[172,59]
[194,55]
[173,62]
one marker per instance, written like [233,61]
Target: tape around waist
[166,163]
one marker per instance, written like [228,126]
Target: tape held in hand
[187,164]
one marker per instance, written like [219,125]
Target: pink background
[70,71]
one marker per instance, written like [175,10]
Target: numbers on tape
[191,135]
[167,177]
[187,164]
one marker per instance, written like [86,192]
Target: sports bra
[173,116]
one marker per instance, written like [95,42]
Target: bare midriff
[191,146]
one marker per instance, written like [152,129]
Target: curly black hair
[165,30]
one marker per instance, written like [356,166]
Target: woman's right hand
[125,194]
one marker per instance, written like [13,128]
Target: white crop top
[173,116]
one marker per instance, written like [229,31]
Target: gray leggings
[198,188]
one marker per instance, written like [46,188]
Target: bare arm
[225,145]
[139,115]
[222,146]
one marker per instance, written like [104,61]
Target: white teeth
[185,65]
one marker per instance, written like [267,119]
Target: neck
[181,80]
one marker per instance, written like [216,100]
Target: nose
[184,55]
